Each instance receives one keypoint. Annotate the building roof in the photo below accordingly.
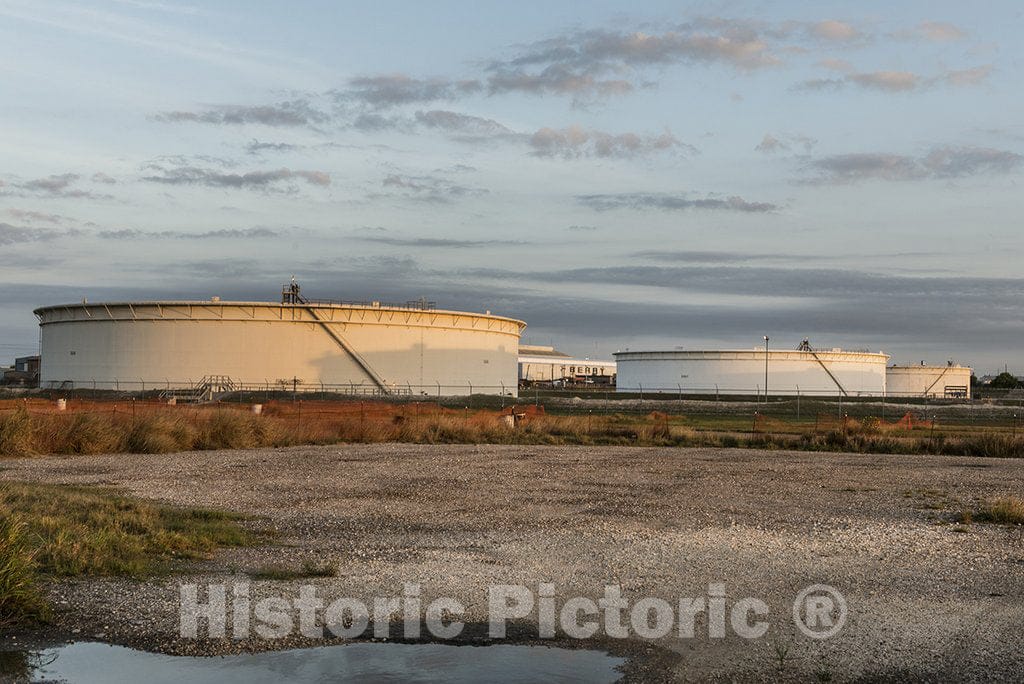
(541, 350)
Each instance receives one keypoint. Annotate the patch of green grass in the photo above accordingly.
(71, 531)
(309, 569)
(21, 599)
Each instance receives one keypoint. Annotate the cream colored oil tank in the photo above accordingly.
(949, 381)
(742, 372)
(359, 348)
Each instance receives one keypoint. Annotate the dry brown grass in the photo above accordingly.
(155, 428)
(1007, 510)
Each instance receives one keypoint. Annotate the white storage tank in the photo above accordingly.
(369, 348)
(742, 372)
(951, 381)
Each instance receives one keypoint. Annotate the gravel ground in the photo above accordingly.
(928, 599)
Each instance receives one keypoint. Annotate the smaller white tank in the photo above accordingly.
(950, 381)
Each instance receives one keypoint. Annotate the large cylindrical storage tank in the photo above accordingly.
(951, 382)
(372, 348)
(831, 373)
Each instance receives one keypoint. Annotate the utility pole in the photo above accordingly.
(766, 370)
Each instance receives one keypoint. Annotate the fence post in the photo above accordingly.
(798, 403)
(641, 386)
(439, 390)
(680, 388)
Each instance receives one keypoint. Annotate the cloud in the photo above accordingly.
(572, 142)
(36, 216)
(62, 185)
(939, 31)
(806, 283)
(428, 189)
(462, 124)
(191, 175)
(672, 202)
(373, 122)
(556, 79)
(221, 234)
(393, 90)
(835, 64)
(255, 147)
(293, 113)
(893, 81)
(819, 84)
(770, 144)
(850, 168)
(591, 62)
(435, 242)
(582, 228)
(954, 162)
(967, 77)
(940, 162)
(100, 177)
(11, 235)
(833, 30)
(52, 185)
(575, 142)
(697, 257)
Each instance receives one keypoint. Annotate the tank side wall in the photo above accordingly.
(747, 375)
(414, 355)
(915, 381)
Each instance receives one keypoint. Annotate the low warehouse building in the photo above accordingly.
(949, 382)
(366, 348)
(742, 372)
(545, 364)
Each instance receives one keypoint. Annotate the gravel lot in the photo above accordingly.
(928, 598)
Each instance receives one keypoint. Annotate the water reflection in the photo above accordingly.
(82, 663)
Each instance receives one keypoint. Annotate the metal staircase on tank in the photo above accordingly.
(209, 388)
(292, 294)
(805, 346)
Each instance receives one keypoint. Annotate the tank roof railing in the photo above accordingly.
(414, 305)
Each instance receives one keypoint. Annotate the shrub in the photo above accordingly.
(1007, 509)
(159, 435)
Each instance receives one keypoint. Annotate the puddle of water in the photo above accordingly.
(86, 662)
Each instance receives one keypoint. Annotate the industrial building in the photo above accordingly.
(951, 381)
(24, 373)
(748, 371)
(366, 348)
(544, 364)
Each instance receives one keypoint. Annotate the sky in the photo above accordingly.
(619, 175)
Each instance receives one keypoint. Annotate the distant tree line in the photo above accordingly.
(1005, 381)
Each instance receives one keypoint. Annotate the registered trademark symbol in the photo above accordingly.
(819, 611)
